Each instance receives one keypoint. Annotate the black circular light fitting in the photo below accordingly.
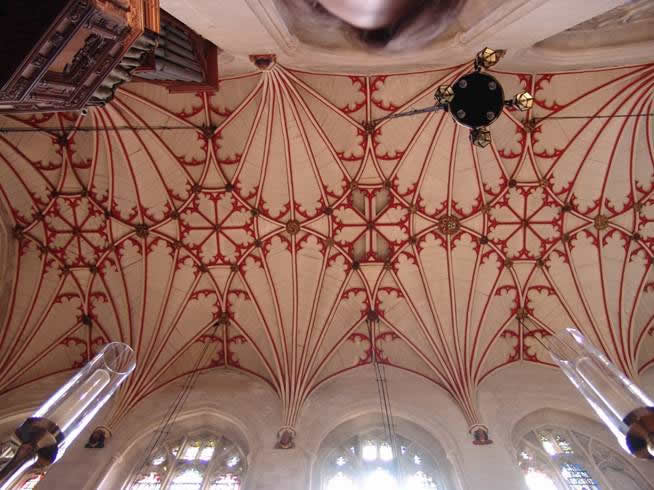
(478, 100)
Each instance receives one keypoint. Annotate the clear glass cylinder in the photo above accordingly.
(618, 402)
(43, 438)
(73, 405)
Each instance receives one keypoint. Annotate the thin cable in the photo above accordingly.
(434, 108)
(522, 323)
(176, 405)
(603, 116)
(89, 129)
(165, 424)
(393, 115)
(384, 399)
(181, 399)
(372, 334)
(380, 389)
(546, 347)
(171, 416)
(391, 424)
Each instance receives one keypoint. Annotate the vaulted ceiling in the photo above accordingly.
(268, 209)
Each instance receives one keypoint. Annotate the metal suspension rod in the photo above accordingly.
(433, 108)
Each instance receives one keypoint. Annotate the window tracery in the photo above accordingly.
(205, 462)
(369, 463)
(616, 469)
(553, 458)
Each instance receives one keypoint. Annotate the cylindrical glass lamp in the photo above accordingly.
(44, 437)
(626, 410)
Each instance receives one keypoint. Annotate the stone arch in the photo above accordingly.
(408, 430)
(199, 421)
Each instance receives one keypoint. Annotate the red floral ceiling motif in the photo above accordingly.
(76, 230)
(266, 224)
(217, 227)
(525, 222)
(371, 224)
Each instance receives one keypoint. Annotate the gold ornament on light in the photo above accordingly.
(480, 137)
(488, 57)
(444, 94)
(523, 101)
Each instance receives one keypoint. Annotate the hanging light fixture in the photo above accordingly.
(44, 437)
(475, 100)
(625, 409)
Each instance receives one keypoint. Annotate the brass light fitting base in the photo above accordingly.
(38, 442)
(640, 436)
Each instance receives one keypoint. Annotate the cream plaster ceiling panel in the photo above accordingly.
(266, 223)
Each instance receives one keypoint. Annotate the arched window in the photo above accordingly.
(368, 462)
(204, 462)
(553, 458)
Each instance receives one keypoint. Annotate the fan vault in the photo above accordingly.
(272, 208)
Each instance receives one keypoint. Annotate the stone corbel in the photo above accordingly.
(480, 435)
(286, 438)
(98, 438)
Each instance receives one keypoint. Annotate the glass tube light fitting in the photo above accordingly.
(625, 409)
(44, 437)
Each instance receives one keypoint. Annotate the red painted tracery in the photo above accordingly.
(272, 206)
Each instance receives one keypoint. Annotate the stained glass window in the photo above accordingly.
(189, 479)
(374, 463)
(191, 451)
(550, 455)
(226, 482)
(193, 463)
(537, 480)
(554, 443)
(149, 481)
(206, 452)
(577, 477)
(420, 481)
(340, 482)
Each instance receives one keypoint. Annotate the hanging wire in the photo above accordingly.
(522, 323)
(384, 398)
(91, 129)
(393, 115)
(555, 345)
(176, 406)
(373, 123)
(597, 116)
